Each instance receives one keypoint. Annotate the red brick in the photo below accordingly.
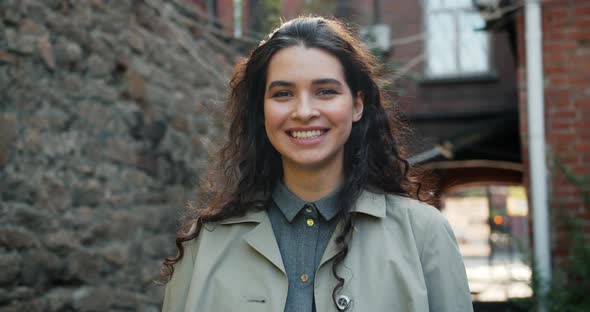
(583, 100)
(582, 23)
(563, 114)
(566, 206)
(579, 81)
(561, 137)
(578, 34)
(554, 56)
(550, 46)
(582, 147)
(582, 11)
(563, 191)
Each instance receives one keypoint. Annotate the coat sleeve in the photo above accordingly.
(177, 288)
(444, 270)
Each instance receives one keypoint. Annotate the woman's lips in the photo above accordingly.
(307, 136)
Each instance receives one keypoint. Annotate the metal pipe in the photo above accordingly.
(237, 18)
(536, 139)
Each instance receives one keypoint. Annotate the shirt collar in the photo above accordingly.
(290, 204)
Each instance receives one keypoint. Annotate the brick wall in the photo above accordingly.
(566, 61)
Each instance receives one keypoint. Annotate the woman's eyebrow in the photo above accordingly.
(283, 83)
(326, 81)
(280, 83)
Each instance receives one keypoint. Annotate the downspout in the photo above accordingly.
(237, 18)
(536, 139)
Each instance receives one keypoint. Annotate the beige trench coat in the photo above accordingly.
(403, 257)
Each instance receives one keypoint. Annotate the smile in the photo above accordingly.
(305, 135)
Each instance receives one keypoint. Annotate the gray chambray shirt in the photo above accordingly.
(302, 230)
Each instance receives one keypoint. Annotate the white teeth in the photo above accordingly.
(306, 134)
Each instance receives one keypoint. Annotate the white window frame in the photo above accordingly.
(458, 71)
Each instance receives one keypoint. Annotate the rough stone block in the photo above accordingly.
(98, 66)
(7, 136)
(14, 187)
(40, 266)
(84, 266)
(53, 195)
(28, 216)
(58, 298)
(13, 237)
(61, 240)
(157, 246)
(30, 27)
(21, 44)
(87, 299)
(10, 267)
(116, 254)
(46, 52)
(18, 293)
(89, 193)
(67, 52)
(35, 305)
(7, 58)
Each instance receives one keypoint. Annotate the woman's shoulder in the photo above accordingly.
(415, 208)
(401, 207)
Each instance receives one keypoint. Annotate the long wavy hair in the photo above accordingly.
(247, 167)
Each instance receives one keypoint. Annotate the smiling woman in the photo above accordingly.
(309, 205)
(308, 115)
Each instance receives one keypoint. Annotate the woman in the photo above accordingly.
(309, 208)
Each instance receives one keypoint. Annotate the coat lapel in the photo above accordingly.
(332, 248)
(368, 203)
(262, 239)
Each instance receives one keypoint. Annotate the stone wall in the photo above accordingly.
(107, 109)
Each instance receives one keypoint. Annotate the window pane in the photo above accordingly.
(434, 4)
(463, 4)
(441, 45)
(473, 44)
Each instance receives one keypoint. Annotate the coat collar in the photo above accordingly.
(262, 238)
(372, 204)
(368, 203)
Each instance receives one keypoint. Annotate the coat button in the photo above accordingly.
(310, 222)
(343, 302)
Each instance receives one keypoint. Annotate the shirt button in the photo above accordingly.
(304, 278)
(308, 209)
(310, 222)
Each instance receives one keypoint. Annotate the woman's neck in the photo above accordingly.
(312, 185)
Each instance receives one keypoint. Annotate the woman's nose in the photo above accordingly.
(304, 109)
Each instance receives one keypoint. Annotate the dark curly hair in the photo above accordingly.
(248, 167)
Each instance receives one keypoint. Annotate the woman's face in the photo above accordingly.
(309, 108)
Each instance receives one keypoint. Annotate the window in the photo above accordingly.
(454, 46)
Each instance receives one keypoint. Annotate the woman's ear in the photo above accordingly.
(358, 105)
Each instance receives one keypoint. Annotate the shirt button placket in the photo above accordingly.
(309, 211)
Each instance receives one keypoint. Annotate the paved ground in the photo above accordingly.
(506, 277)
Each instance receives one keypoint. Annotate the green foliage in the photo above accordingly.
(266, 16)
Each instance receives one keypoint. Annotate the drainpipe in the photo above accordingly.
(237, 18)
(536, 139)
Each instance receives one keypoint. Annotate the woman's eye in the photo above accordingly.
(324, 92)
(279, 94)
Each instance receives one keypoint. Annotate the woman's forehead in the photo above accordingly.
(299, 64)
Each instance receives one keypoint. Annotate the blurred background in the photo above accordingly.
(108, 109)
